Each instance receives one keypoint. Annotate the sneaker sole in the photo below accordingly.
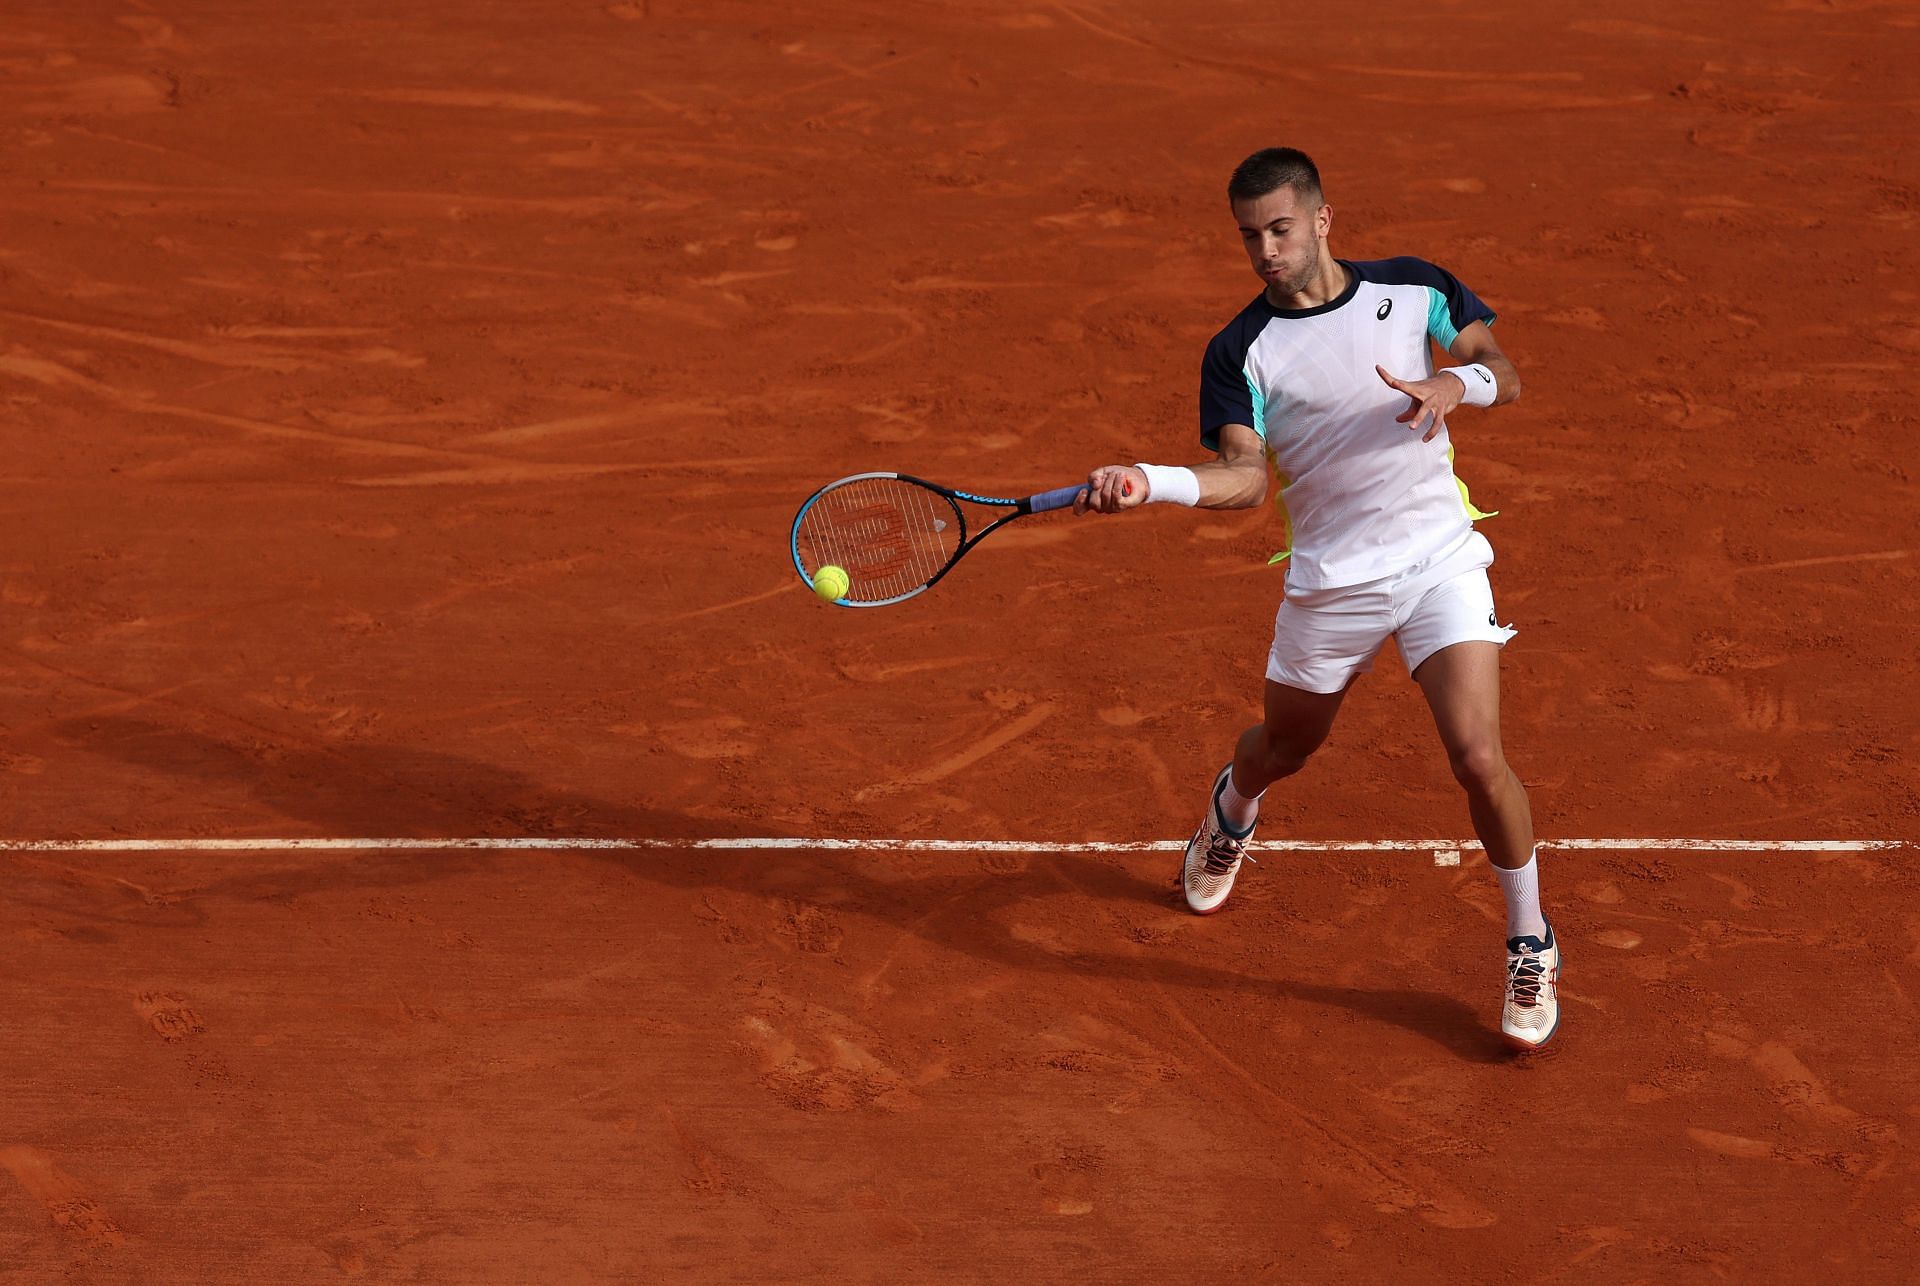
(1527, 1047)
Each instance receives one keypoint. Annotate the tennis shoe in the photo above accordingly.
(1532, 1012)
(1213, 856)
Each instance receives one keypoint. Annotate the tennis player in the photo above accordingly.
(1327, 380)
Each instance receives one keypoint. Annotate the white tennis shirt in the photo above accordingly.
(1362, 496)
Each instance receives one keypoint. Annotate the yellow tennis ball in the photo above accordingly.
(831, 583)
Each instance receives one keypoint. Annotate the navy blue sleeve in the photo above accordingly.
(1451, 307)
(1226, 395)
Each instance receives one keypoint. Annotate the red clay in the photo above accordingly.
(406, 408)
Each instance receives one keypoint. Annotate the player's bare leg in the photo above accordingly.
(1462, 686)
(1295, 725)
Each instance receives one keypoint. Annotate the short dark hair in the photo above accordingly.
(1273, 168)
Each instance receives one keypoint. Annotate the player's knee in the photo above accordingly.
(1287, 753)
(1479, 766)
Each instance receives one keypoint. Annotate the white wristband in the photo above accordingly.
(1170, 484)
(1479, 381)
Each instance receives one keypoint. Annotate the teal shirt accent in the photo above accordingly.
(1279, 499)
(1439, 324)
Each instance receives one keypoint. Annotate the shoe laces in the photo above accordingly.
(1223, 851)
(1526, 972)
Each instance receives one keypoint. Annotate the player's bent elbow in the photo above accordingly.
(1249, 485)
(1244, 496)
(1255, 493)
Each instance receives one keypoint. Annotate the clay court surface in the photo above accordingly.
(404, 410)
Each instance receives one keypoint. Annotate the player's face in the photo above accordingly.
(1282, 234)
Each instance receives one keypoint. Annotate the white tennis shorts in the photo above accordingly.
(1324, 638)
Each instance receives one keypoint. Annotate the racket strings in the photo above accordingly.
(930, 554)
(890, 536)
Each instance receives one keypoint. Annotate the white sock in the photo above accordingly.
(1522, 889)
(1238, 811)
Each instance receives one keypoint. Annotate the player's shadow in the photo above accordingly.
(363, 789)
(384, 791)
(1443, 1019)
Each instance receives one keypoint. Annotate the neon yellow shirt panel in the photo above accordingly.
(1281, 481)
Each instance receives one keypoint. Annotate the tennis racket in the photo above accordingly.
(897, 535)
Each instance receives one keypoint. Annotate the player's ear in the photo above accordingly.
(1323, 220)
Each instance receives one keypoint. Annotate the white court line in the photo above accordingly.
(553, 844)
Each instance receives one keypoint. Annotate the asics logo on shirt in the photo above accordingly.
(1386, 306)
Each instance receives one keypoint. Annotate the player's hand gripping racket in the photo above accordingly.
(896, 535)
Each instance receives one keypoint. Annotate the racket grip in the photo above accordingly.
(1058, 498)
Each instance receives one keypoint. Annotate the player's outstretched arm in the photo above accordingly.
(1236, 479)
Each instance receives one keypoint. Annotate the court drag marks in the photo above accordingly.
(407, 409)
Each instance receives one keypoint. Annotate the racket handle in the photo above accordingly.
(1058, 498)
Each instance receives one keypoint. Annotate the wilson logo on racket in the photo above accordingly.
(877, 542)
